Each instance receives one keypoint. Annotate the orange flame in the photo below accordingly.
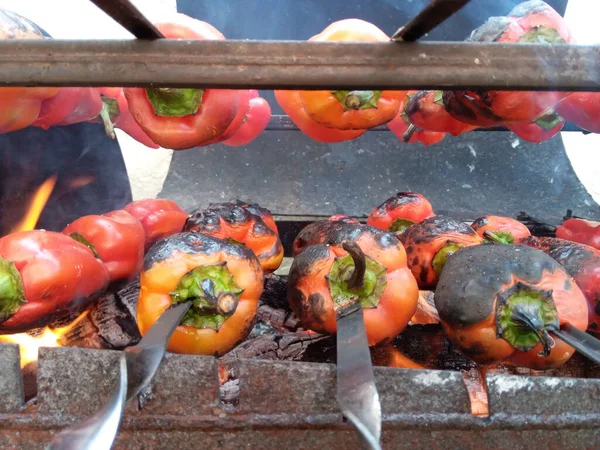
(40, 198)
(30, 344)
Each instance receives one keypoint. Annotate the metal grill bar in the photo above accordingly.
(299, 65)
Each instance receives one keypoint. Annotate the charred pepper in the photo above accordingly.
(45, 275)
(159, 217)
(117, 238)
(401, 211)
(426, 111)
(365, 265)
(498, 303)
(235, 222)
(582, 263)
(223, 281)
(431, 243)
(499, 229)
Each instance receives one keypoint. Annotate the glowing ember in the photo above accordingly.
(81, 181)
(30, 342)
(41, 196)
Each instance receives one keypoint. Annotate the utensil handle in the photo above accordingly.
(584, 343)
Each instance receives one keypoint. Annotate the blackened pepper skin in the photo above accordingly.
(498, 303)
(430, 243)
(582, 262)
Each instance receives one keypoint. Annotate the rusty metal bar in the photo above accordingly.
(300, 65)
(284, 123)
(129, 17)
(430, 17)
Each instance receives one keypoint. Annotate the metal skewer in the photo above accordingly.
(127, 15)
(430, 17)
(585, 344)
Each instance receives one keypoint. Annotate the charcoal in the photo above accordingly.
(275, 292)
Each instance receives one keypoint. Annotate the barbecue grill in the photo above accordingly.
(278, 388)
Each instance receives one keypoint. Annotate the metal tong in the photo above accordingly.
(137, 366)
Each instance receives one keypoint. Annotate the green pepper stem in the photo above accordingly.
(520, 315)
(12, 292)
(171, 102)
(109, 128)
(357, 278)
(499, 237)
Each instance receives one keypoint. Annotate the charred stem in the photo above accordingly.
(409, 133)
(535, 325)
(357, 278)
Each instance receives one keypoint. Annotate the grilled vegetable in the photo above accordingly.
(582, 109)
(530, 22)
(115, 114)
(430, 244)
(235, 222)
(582, 263)
(499, 229)
(223, 281)
(544, 128)
(426, 111)
(20, 105)
(45, 275)
(117, 238)
(185, 118)
(291, 103)
(159, 217)
(580, 230)
(401, 211)
(498, 303)
(351, 109)
(69, 106)
(254, 122)
(365, 265)
(407, 132)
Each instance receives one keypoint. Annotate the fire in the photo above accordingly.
(40, 198)
(30, 343)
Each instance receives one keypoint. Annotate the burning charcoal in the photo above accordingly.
(110, 322)
(275, 292)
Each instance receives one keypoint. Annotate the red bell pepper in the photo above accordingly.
(542, 129)
(184, 118)
(255, 121)
(530, 22)
(45, 275)
(406, 131)
(117, 238)
(20, 105)
(115, 114)
(71, 105)
(582, 109)
(426, 111)
(400, 212)
(580, 230)
(159, 217)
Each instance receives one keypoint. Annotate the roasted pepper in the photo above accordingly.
(582, 262)
(235, 222)
(255, 121)
(45, 275)
(184, 118)
(115, 114)
(291, 103)
(499, 229)
(582, 109)
(20, 105)
(365, 265)
(223, 280)
(406, 131)
(498, 303)
(426, 111)
(530, 22)
(401, 211)
(71, 105)
(430, 244)
(117, 238)
(329, 231)
(542, 129)
(159, 217)
(580, 230)
(263, 213)
(351, 109)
